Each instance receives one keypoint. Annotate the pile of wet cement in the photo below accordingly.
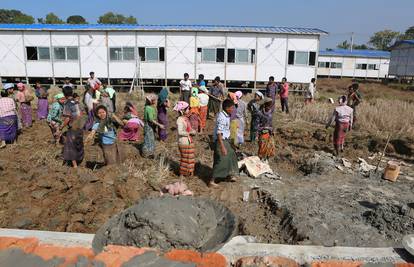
(169, 222)
(391, 220)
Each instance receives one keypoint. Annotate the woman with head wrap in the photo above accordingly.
(254, 108)
(194, 109)
(234, 123)
(265, 130)
(162, 105)
(185, 141)
(343, 117)
(204, 99)
(150, 125)
(24, 98)
(8, 118)
(42, 103)
(54, 118)
(132, 124)
(105, 127)
(241, 115)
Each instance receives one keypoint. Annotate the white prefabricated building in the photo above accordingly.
(368, 64)
(158, 52)
(402, 59)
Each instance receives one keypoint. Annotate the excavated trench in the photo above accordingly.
(196, 223)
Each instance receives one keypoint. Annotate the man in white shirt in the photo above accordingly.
(185, 88)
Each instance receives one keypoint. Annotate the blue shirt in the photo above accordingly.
(202, 83)
(222, 125)
(108, 137)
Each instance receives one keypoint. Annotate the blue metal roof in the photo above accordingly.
(178, 28)
(410, 42)
(355, 53)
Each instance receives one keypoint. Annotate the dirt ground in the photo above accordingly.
(38, 192)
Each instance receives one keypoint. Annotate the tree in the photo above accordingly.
(15, 16)
(360, 47)
(112, 18)
(384, 39)
(344, 45)
(51, 18)
(76, 19)
(409, 34)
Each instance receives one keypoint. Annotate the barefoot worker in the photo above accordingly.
(54, 118)
(8, 117)
(225, 159)
(342, 116)
(185, 141)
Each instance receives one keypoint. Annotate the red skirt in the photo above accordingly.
(340, 132)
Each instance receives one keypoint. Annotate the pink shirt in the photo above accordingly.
(285, 90)
(21, 96)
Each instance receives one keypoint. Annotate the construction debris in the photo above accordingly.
(254, 166)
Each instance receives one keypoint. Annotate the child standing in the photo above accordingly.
(195, 109)
(284, 95)
(204, 98)
(73, 152)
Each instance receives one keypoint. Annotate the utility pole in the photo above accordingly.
(352, 41)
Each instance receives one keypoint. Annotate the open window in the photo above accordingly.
(37, 53)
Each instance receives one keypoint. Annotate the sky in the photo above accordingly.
(339, 18)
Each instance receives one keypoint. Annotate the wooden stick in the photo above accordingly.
(383, 153)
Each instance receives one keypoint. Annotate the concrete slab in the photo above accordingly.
(48, 237)
(239, 247)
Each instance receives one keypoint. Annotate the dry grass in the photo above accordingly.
(375, 117)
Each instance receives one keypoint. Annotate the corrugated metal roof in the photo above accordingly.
(138, 27)
(410, 42)
(355, 53)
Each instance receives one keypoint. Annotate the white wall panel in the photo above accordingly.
(12, 55)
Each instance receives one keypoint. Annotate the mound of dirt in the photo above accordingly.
(390, 220)
(169, 222)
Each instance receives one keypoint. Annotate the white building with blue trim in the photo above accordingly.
(367, 64)
(158, 53)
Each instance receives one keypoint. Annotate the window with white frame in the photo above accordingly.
(211, 55)
(336, 65)
(151, 54)
(324, 65)
(373, 67)
(37, 53)
(121, 53)
(241, 55)
(65, 53)
(301, 58)
(361, 66)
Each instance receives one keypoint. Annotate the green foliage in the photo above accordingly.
(112, 18)
(409, 34)
(383, 40)
(15, 16)
(344, 45)
(51, 18)
(76, 19)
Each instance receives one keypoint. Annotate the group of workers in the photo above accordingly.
(96, 115)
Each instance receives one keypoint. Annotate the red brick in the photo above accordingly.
(337, 264)
(25, 244)
(404, 264)
(70, 254)
(115, 256)
(266, 262)
(200, 259)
